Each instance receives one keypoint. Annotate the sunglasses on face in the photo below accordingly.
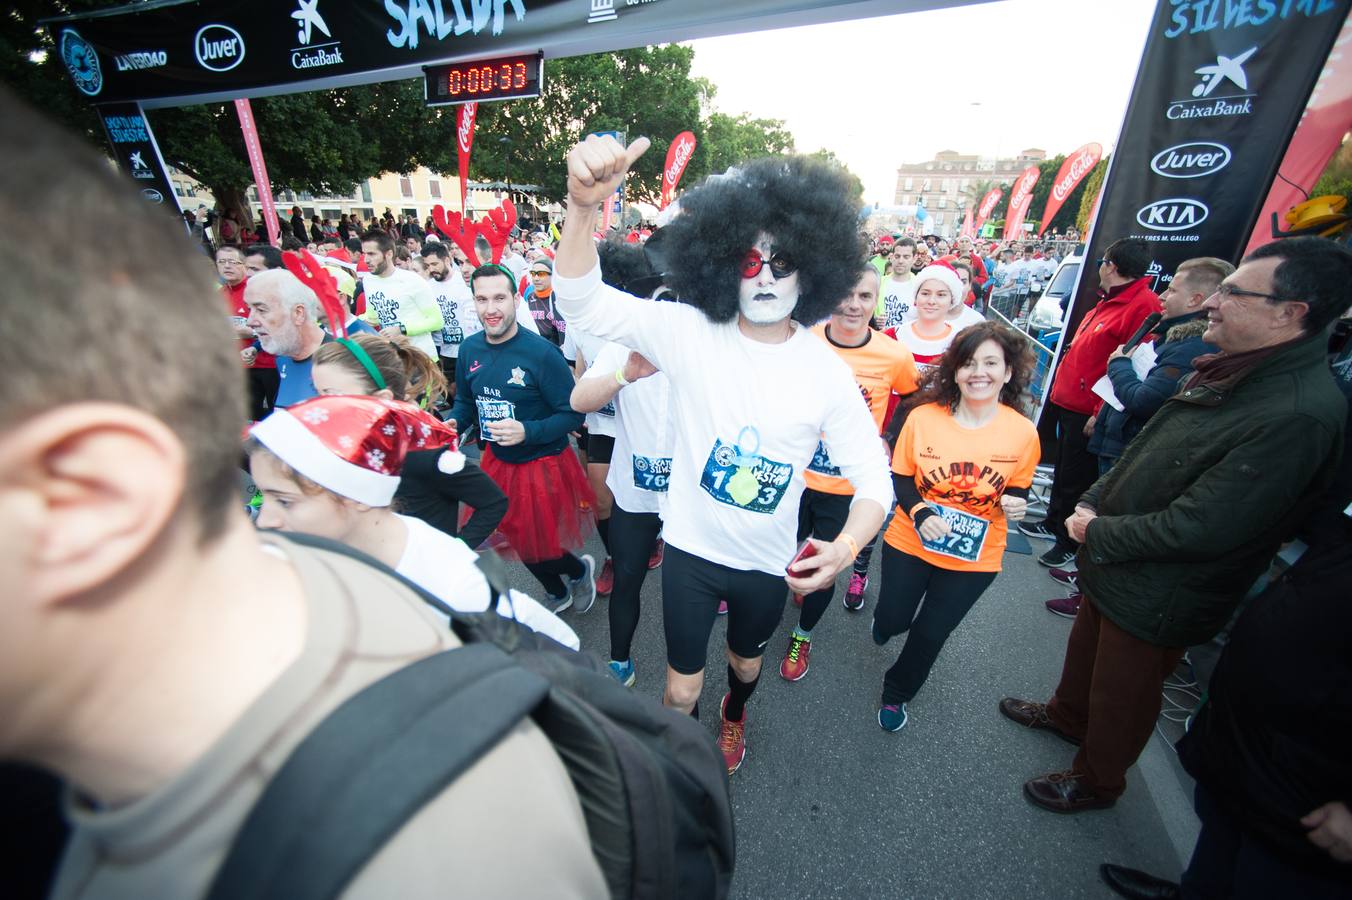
(781, 266)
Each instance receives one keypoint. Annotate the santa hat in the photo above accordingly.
(946, 275)
(355, 446)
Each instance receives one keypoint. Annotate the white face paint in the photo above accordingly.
(764, 299)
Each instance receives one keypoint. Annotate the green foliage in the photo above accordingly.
(1067, 215)
(1089, 189)
(856, 184)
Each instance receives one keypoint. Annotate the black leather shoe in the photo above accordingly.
(1137, 884)
(1063, 792)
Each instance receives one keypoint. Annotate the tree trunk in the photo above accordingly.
(237, 199)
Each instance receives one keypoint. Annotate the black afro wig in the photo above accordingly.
(808, 208)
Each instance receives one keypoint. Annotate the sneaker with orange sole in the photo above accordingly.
(731, 738)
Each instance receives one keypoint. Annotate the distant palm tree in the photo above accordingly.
(976, 189)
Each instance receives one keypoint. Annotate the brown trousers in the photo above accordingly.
(1109, 697)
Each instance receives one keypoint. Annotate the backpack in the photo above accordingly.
(652, 786)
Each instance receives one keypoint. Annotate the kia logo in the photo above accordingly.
(152, 195)
(1192, 160)
(1174, 214)
(218, 47)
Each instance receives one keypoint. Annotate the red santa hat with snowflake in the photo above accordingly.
(355, 446)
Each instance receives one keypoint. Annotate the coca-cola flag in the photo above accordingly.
(1020, 196)
(986, 207)
(967, 229)
(678, 155)
(464, 141)
(1072, 172)
(260, 169)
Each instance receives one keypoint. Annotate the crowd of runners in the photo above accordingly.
(750, 401)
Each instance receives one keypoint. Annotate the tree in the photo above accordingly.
(977, 189)
(1091, 185)
(856, 184)
(1067, 215)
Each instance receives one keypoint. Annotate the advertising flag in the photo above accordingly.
(987, 206)
(967, 229)
(678, 155)
(1020, 196)
(1072, 172)
(464, 142)
(260, 169)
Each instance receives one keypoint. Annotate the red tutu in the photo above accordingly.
(551, 509)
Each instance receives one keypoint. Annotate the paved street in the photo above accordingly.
(829, 805)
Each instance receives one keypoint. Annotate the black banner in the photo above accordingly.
(195, 52)
(1218, 96)
(137, 154)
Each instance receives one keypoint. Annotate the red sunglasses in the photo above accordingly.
(781, 266)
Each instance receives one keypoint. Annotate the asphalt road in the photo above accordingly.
(827, 804)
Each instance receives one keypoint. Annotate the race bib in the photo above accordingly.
(491, 410)
(739, 476)
(821, 462)
(651, 473)
(966, 535)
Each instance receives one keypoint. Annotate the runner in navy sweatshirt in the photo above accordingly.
(516, 385)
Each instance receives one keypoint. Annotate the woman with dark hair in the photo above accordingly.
(961, 470)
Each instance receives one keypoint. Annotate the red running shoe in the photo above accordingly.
(794, 665)
(797, 599)
(722, 607)
(605, 580)
(1068, 577)
(731, 738)
(1066, 607)
(655, 558)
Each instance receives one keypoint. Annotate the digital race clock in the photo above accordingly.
(504, 78)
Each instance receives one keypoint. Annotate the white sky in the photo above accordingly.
(989, 78)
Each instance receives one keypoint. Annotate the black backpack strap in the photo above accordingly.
(369, 766)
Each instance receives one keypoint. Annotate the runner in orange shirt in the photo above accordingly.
(962, 468)
(880, 366)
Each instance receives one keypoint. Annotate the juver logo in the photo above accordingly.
(1191, 160)
(218, 47)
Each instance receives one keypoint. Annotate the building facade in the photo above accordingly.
(944, 184)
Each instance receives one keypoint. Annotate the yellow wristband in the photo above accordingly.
(851, 543)
(620, 379)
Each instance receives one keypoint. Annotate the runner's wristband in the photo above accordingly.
(851, 543)
(619, 377)
(920, 515)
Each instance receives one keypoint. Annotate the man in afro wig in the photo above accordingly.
(756, 255)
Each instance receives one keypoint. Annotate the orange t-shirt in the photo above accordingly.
(962, 472)
(880, 365)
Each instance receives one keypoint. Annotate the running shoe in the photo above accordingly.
(797, 599)
(605, 582)
(1058, 557)
(854, 597)
(892, 716)
(623, 672)
(794, 666)
(1068, 577)
(1066, 607)
(558, 604)
(722, 607)
(1037, 530)
(731, 738)
(582, 590)
(655, 558)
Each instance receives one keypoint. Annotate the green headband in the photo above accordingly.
(361, 356)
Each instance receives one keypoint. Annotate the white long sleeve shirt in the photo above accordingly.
(748, 417)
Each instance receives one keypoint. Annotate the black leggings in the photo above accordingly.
(822, 516)
(948, 595)
(691, 589)
(550, 573)
(632, 538)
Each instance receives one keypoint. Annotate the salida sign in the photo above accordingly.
(1217, 99)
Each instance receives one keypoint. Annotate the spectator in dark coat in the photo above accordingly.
(1178, 342)
(298, 230)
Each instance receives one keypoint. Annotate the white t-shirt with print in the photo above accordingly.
(445, 567)
(897, 299)
(640, 467)
(454, 298)
(574, 342)
(400, 296)
(748, 417)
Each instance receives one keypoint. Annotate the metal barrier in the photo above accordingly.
(1006, 305)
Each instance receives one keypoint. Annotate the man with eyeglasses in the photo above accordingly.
(1179, 530)
(1124, 300)
(262, 367)
(757, 255)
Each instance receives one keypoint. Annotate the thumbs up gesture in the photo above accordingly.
(597, 166)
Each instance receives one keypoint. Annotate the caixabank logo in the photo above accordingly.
(82, 61)
(313, 52)
(1208, 101)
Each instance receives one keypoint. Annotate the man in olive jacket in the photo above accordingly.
(1178, 531)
